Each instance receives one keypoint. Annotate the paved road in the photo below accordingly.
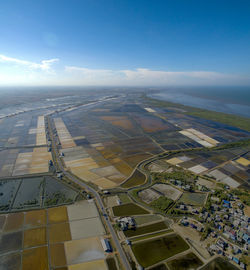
(98, 200)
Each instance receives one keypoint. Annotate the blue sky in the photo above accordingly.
(124, 42)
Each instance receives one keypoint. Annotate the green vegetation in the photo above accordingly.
(188, 261)
(128, 209)
(162, 204)
(156, 250)
(124, 198)
(146, 219)
(146, 229)
(57, 198)
(159, 267)
(177, 174)
(193, 198)
(206, 231)
(136, 179)
(111, 264)
(151, 235)
(224, 118)
(219, 264)
(243, 195)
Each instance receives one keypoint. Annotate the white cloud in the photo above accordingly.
(144, 77)
(23, 72)
(44, 65)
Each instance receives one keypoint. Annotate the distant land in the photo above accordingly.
(232, 100)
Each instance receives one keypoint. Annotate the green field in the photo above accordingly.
(124, 198)
(146, 219)
(146, 229)
(187, 262)
(224, 118)
(162, 204)
(111, 264)
(136, 179)
(219, 264)
(193, 198)
(156, 250)
(128, 209)
(151, 235)
(159, 267)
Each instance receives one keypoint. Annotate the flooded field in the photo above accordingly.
(34, 192)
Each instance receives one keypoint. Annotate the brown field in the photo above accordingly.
(2, 221)
(35, 218)
(119, 121)
(135, 159)
(136, 179)
(94, 265)
(14, 222)
(247, 210)
(34, 237)
(57, 255)
(83, 250)
(124, 168)
(107, 154)
(58, 214)
(104, 183)
(59, 232)
(35, 259)
(151, 124)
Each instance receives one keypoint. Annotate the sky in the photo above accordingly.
(124, 42)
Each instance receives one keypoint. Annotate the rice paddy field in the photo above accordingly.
(219, 264)
(192, 198)
(159, 226)
(153, 251)
(140, 220)
(23, 145)
(168, 191)
(104, 144)
(187, 262)
(230, 166)
(159, 267)
(53, 238)
(34, 192)
(129, 209)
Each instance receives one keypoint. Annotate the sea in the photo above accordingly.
(232, 100)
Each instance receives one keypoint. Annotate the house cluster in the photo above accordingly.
(227, 219)
(192, 223)
(221, 247)
(126, 223)
(181, 185)
(188, 208)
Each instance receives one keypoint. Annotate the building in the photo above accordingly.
(106, 245)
